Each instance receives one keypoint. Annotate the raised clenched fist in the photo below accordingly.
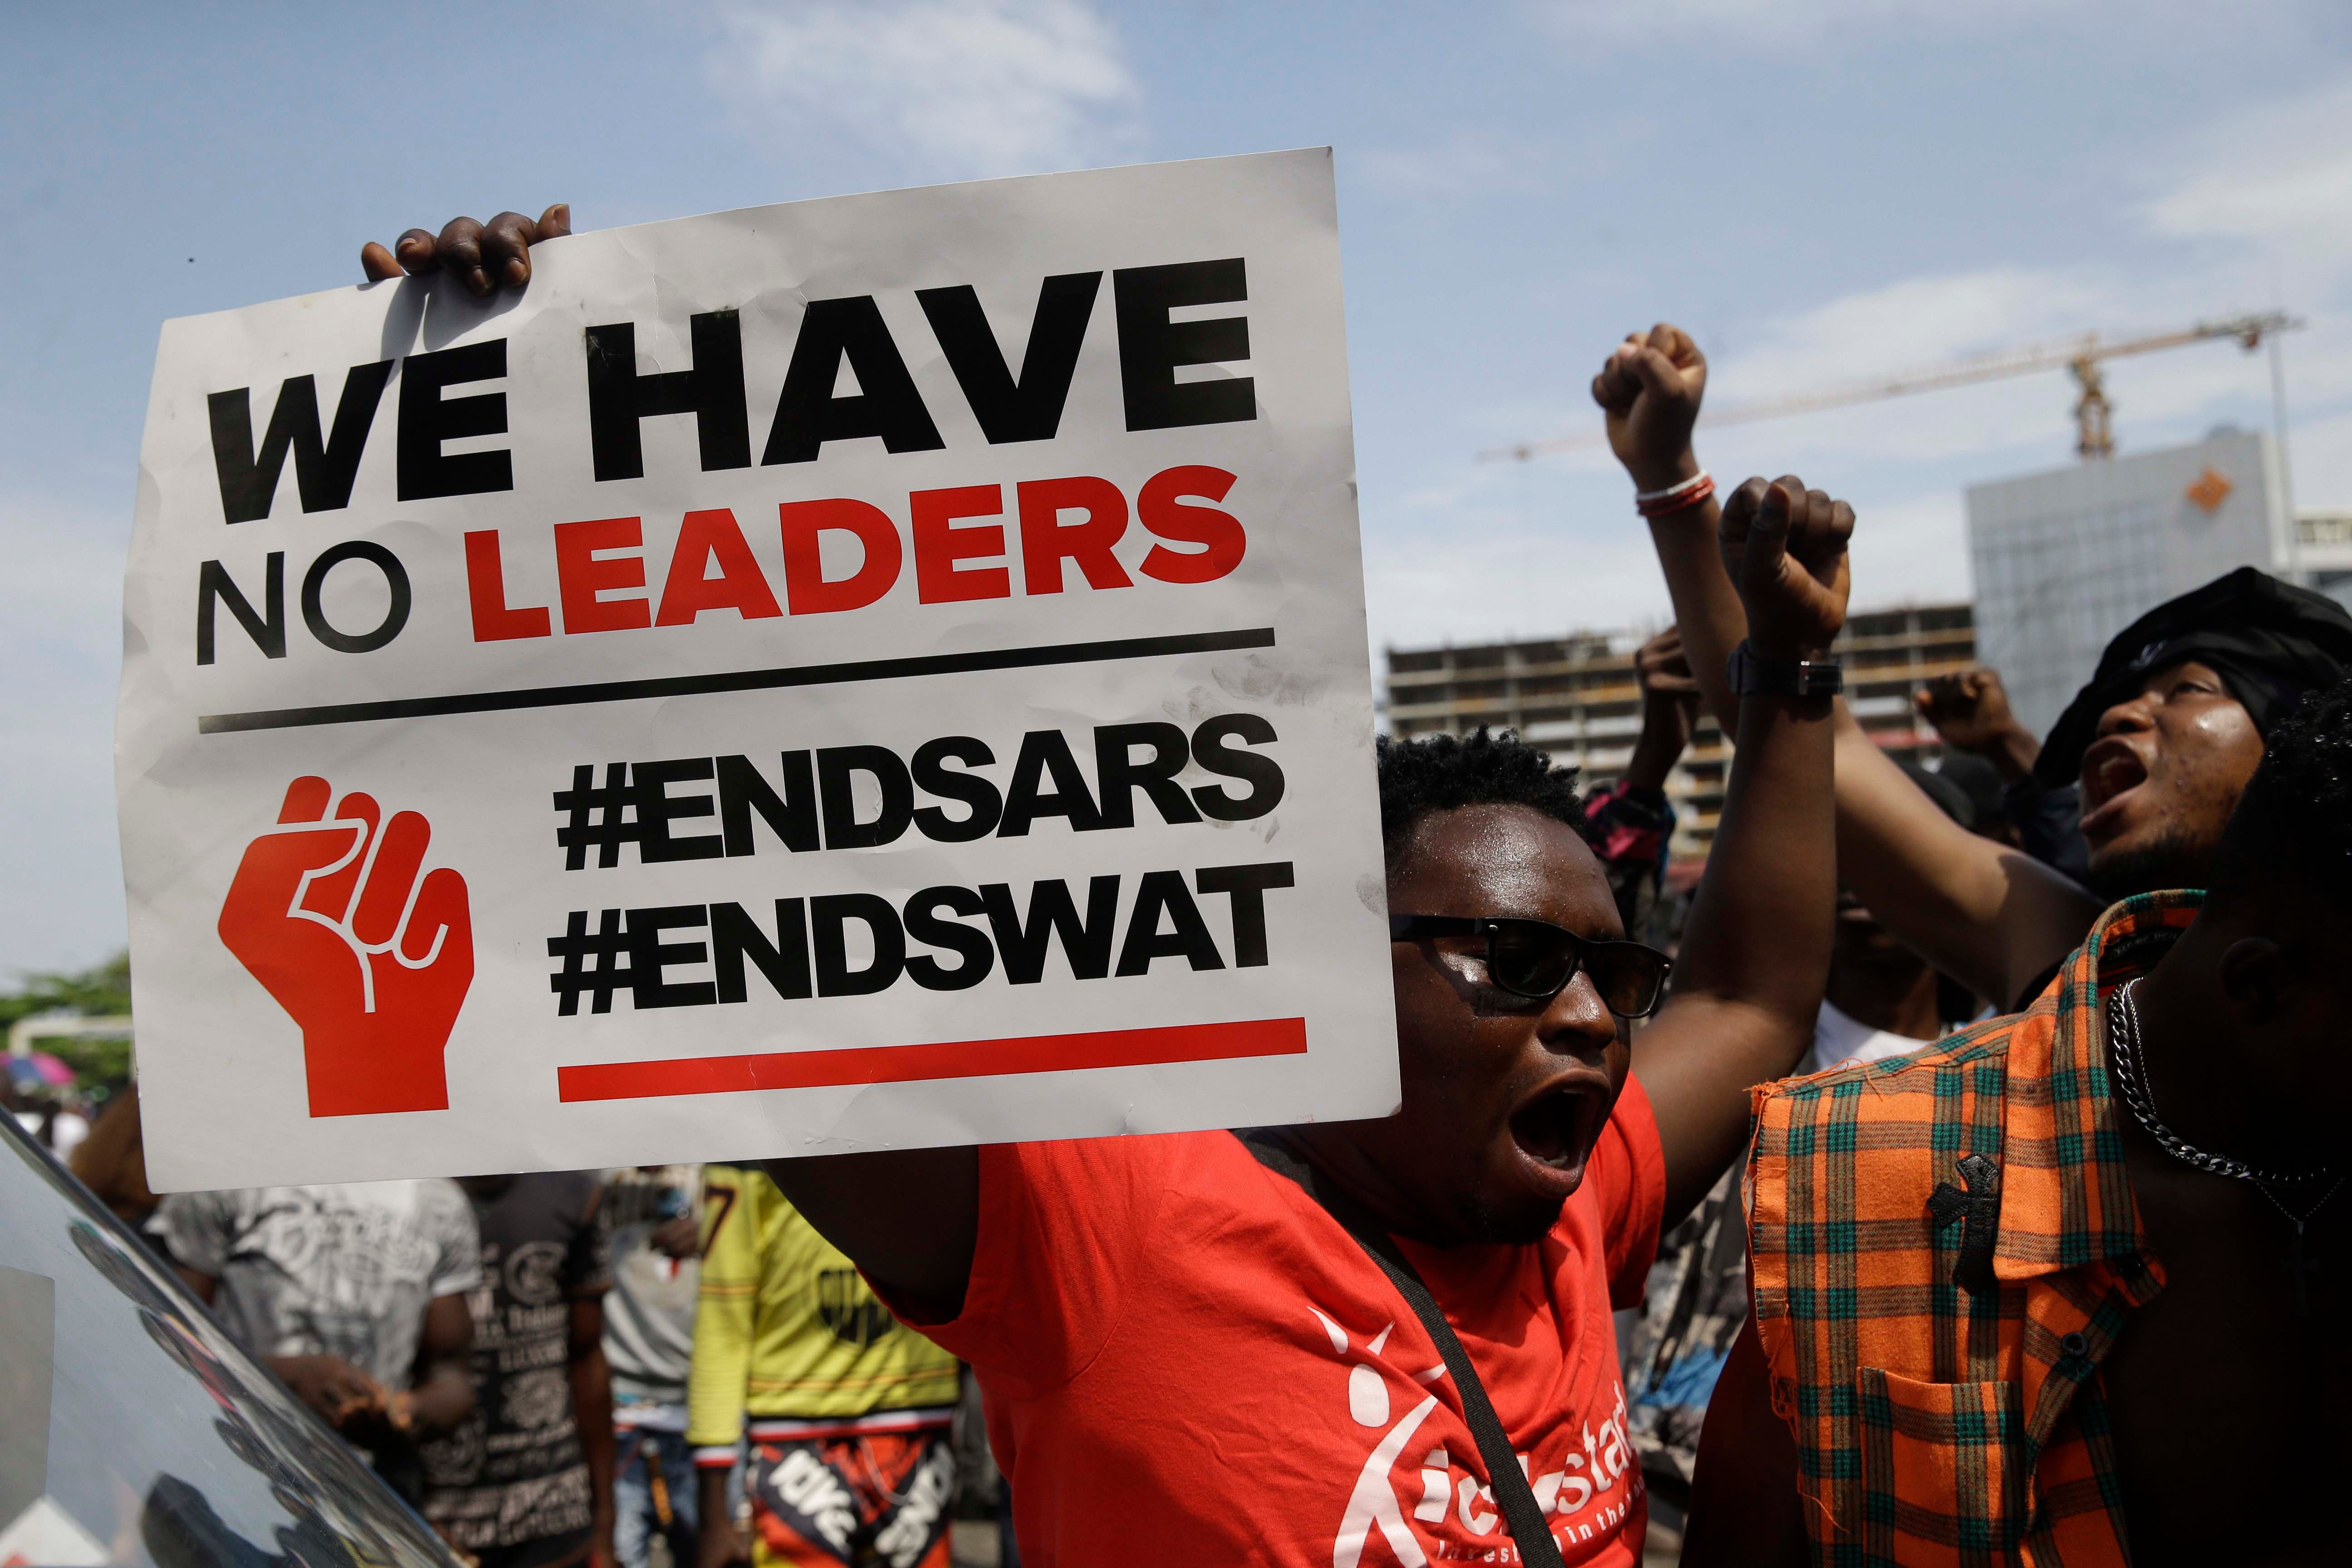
(330, 915)
(1665, 672)
(1649, 389)
(1969, 711)
(1784, 547)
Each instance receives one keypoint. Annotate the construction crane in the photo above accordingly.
(2081, 354)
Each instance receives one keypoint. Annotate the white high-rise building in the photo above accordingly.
(2067, 559)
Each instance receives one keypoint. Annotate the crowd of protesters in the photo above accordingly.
(563, 1368)
(1948, 1180)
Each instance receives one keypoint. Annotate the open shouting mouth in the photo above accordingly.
(2111, 768)
(1555, 1127)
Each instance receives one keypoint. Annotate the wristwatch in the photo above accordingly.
(1751, 672)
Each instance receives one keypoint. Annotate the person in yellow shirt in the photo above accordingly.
(848, 1409)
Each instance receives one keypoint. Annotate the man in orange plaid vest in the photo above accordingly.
(2025, 1299)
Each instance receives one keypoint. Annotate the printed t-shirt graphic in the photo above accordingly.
(1186, 1359)
(345, 1270)
(328, 912)
(509, 1485)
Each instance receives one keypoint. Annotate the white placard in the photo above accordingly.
(876, 672)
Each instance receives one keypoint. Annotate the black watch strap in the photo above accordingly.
(1752, 673)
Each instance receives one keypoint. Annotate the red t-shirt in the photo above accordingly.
(1187, 1360)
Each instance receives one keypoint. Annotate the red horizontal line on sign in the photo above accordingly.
(920, 1064)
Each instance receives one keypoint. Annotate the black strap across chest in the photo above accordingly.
(1505, 1479)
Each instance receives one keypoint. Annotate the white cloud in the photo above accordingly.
(1489, 579)
(1508, 551)
(1910, 551)
(1781, 23)
(2279, 174)
(952, 88)
(2272, 181)
(1920, 323)
(1915, 322)
(1903, 462)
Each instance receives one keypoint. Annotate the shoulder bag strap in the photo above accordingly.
(1506, 1480)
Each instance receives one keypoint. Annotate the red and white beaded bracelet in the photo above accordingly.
(1691, 492)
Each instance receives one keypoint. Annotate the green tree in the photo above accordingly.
(101, 992)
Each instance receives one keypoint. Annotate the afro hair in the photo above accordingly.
(1441, 773)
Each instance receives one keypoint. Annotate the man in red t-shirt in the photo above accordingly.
(1187, 1359)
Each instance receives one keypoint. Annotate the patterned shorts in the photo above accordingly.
(884, 1498)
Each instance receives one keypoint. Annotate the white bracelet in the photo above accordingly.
(1670, 491)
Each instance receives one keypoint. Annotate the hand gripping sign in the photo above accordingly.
(877, 672)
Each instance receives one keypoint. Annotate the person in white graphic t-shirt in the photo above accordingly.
(354, 1294)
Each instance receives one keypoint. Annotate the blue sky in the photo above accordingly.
(1820, 189)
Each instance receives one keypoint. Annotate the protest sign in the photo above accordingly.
(874, 672)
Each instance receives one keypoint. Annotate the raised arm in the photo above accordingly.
(1670, 702)
(1756, 951)
(1992, 918)
(909, 1218)
(1649, 391)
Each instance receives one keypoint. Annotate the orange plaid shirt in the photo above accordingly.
(1944, 1247)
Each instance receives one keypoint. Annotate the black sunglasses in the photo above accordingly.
(1536, 959)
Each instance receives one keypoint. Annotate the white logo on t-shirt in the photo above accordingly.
(1582, 1481)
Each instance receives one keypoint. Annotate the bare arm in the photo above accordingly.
(909, 1218)
(1988, 916)
(1650, 390)
(443, 1393)
(721, 1544)
(1991, 917)
(1756, 952)
(592, 1411)
(1670, 699)
(1745, 1512)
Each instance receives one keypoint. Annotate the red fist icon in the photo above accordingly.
(330, 915)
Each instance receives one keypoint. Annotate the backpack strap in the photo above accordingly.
(1505, 1479)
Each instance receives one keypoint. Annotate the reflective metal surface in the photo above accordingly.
(131, 1431)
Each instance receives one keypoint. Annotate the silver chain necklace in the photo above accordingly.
(2123, 1050)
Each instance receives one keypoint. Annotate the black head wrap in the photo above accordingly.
(2270, 641)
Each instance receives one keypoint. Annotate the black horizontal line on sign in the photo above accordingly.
(737, 680)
